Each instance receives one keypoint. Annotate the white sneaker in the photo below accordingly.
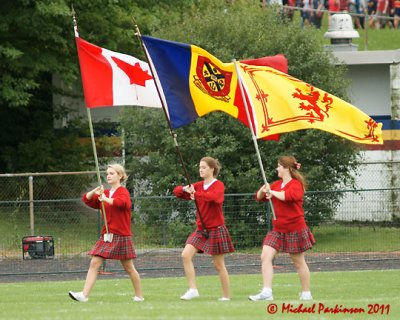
(261, 296)
(306, 296)
(137, 299)
(224, 299)
(190, 294)
(78, 296)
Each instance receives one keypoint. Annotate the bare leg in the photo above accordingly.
(267, 256)
(95, 264)
(134, 276)
(187, 258)
(372, 23)
(302, 269)
(219, 264)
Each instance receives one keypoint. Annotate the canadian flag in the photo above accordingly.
(115, 79)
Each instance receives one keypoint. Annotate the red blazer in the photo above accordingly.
(208, 201)
(118, 215)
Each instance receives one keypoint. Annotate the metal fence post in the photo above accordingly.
(268, 214)
(366, 26)
(31, 212)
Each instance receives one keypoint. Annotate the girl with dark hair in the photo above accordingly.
(211, 235)
(290, 232)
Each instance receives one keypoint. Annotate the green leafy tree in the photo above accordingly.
(36, 43)
(33, 46)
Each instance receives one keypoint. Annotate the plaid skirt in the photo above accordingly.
(218, 241)
(290, 242)
(121, 248)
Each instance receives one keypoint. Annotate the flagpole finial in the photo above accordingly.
(74, 21)
(73, 13)
(137, 31)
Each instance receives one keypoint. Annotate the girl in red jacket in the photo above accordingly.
(117, 244)
(215, 239)
(289, 233)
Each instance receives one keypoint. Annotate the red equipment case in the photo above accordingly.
(37, 247)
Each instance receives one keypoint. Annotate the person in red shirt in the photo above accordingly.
(333, 7)
(117, 243)
(382, 12)
(211, 235)
(290, 232)
(396, 13)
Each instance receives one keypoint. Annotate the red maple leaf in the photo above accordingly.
(135, 73)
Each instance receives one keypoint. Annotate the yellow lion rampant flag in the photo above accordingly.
(281, 103)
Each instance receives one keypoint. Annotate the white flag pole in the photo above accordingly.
(97, 164)
(252, 131)
(91, 132)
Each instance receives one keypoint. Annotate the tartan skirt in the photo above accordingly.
(121, 248)
(290, 242)
(218, 242)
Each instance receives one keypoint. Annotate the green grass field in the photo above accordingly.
(353, 238)
(372, 291)
(383, 39)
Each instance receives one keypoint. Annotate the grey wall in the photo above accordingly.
(370, 88)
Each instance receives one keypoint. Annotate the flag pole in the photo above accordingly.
(96, 163)
(173, 134)
(252, 131)
(91, 131)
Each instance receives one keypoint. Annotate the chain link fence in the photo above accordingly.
(364, 225)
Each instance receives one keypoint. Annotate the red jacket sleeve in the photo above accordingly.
(179, 193)
(294, 192)
(264, 199)
(272, 186)
(93, 203)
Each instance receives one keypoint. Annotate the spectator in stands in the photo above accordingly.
(211, 235)
(357, 7)
(306, 13)
(287, 11)
(318, 13)
(117, 243)
(390, 22)
(290, 232)
(371, 9)
(344, 5)
(396, 13)
(333, 6)
(382, 12)
(278, 5)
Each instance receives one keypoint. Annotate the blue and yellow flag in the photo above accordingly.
(194, 83)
